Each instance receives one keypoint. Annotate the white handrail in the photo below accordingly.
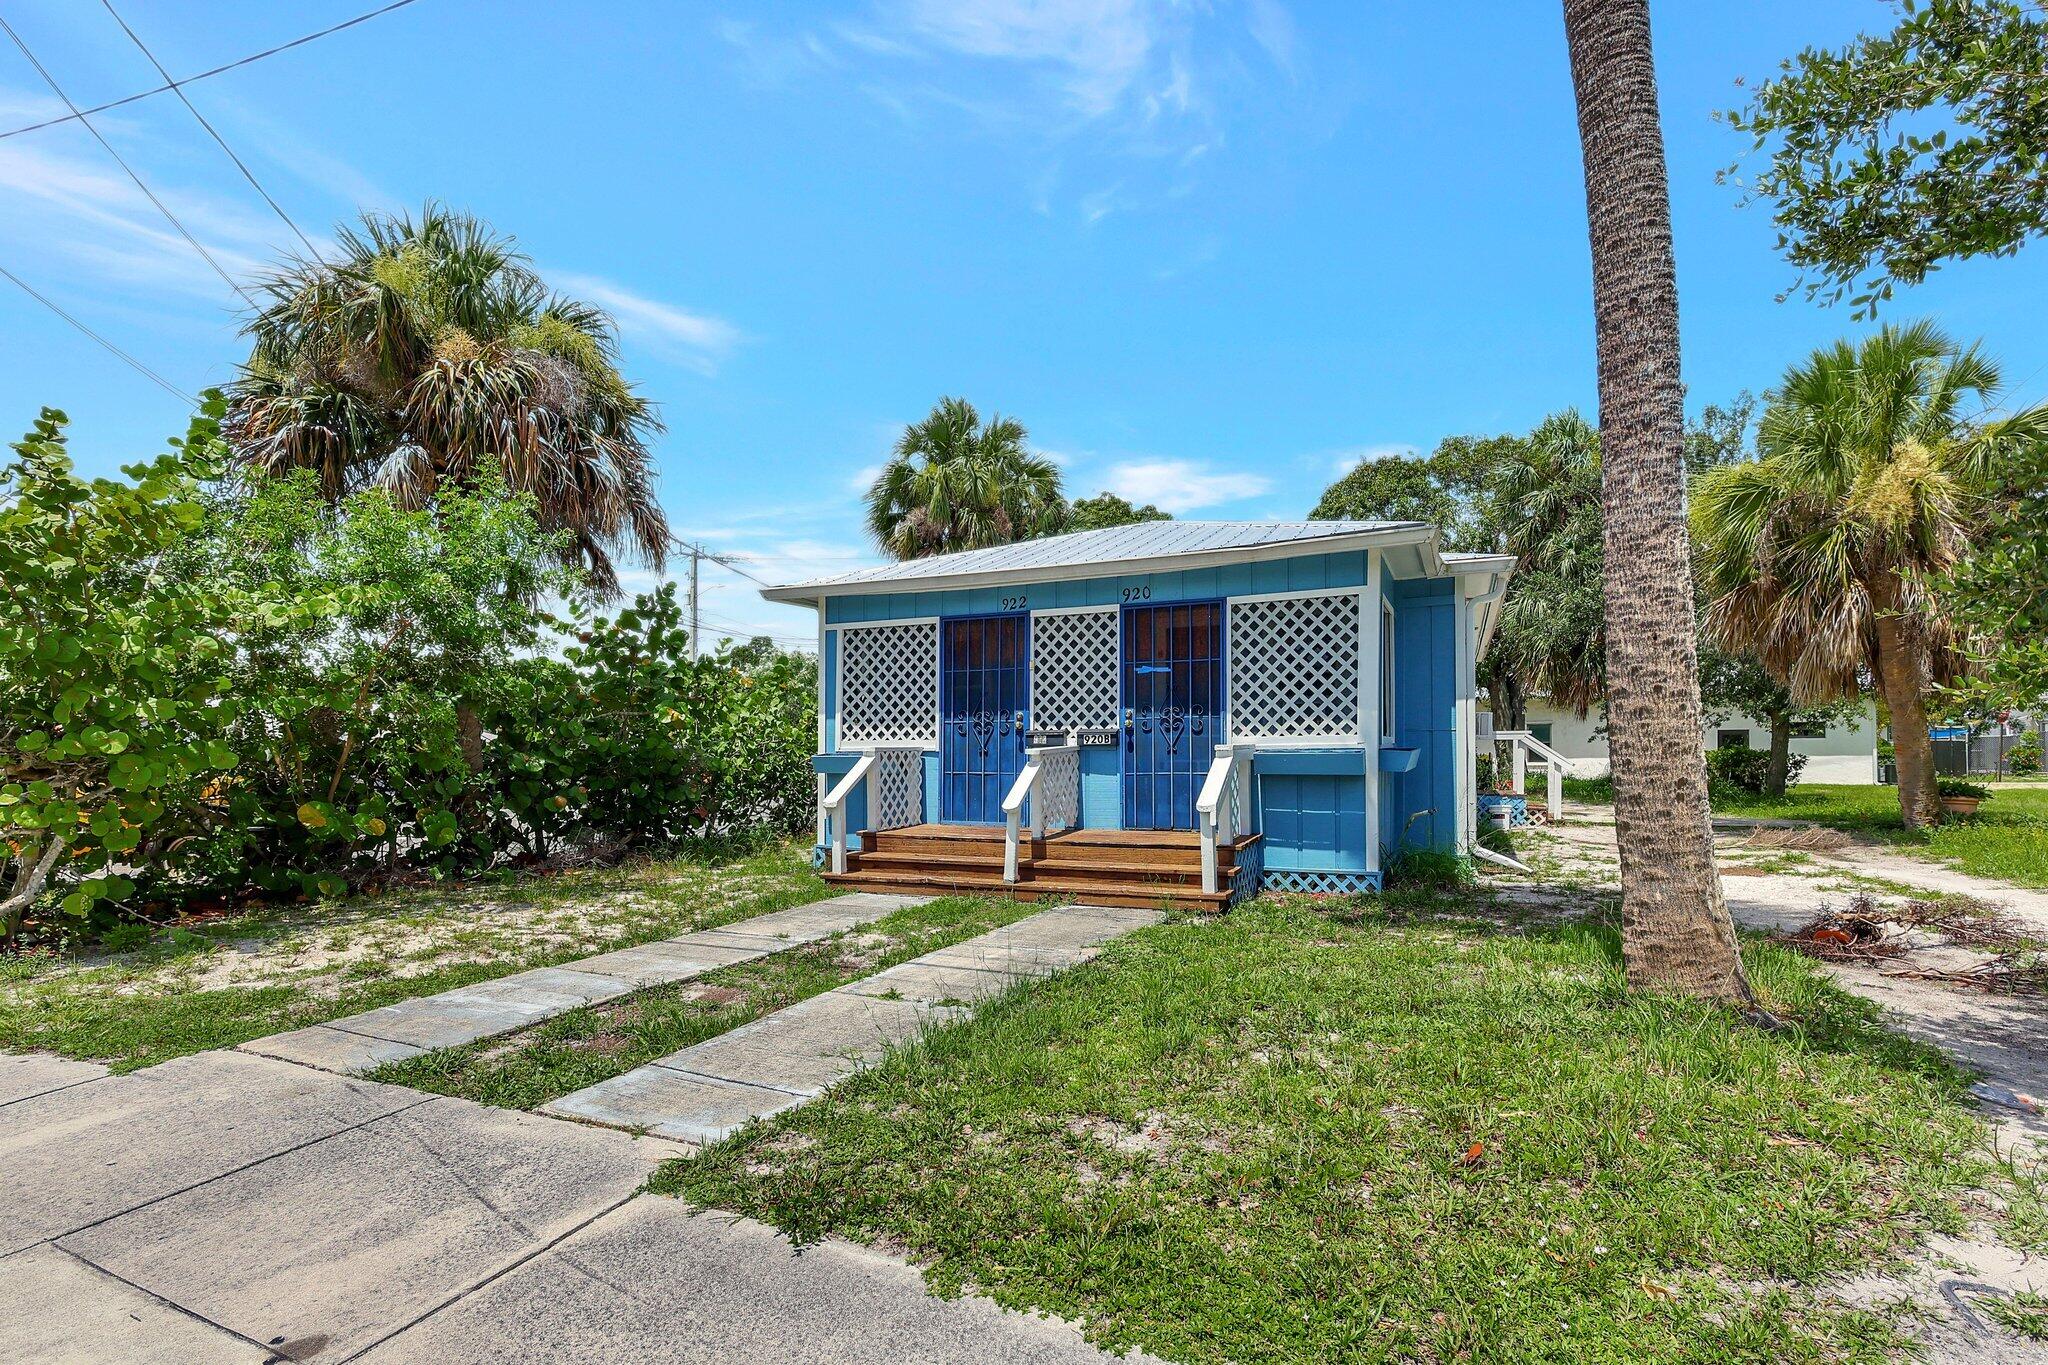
(1220, 808)
(1554, 765)
(835, 807)
(1038, 762)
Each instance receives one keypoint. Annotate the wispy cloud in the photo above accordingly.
(698, 340)
(1128, 83)
(1179, 486)
(1094, 50)
(90, 215)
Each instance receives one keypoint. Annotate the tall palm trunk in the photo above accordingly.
(1676, 933)
(1906, 677)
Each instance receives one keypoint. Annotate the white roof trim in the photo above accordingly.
(1429, 563)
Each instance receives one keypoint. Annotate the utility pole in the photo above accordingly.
(696, 555)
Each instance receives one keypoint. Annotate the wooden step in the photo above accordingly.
(1071, 888)
(1027, 868)
(1144, 848)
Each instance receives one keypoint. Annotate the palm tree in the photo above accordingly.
(1816, 557)
(1552, 634)
(429, 350)
(1676, 933)
(957, 483)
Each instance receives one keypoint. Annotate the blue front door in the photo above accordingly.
(1173, 709)
(984, 710)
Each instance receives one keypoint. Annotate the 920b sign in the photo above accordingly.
(1097, 739)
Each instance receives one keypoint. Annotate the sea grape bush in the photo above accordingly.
(221, 689)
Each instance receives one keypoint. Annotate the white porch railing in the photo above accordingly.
(1554, 765)
(1222, 810)
(1051, 779)
(894, 779)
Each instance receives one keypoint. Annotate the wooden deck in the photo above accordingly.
(1123, 867)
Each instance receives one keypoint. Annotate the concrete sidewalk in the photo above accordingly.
(363, 1042)
(226, 1207)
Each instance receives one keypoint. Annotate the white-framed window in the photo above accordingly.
(1386, 669)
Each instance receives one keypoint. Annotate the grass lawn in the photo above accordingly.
(527, 1069)
(232, 978)
(1317, 1131)
(2007, 838)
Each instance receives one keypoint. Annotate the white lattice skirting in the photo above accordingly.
(1073, 670)
(889, 684)
(1294, 668)
(898, 788)
(1322, 883)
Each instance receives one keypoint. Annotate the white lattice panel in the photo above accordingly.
(1073, 670)
(899, 788)
(1294, 668)
(1059, 788)
(889, 683)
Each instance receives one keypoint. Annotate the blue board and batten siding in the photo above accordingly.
(1312, 799)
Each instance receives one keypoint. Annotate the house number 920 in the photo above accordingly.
(1139, 593)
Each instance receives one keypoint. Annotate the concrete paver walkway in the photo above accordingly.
(708, 1090)
(363, 1042)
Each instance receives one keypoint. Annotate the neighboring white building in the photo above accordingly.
(1845, 751)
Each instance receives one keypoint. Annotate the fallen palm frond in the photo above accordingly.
(1867, 932)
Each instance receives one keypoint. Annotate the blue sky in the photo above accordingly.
(1207, 252)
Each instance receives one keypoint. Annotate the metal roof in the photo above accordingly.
(1155, 544)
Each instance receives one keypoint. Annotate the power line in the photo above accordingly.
(725, 560)
(247, 174)
(147, 372)
(189, 80)
(51, 81)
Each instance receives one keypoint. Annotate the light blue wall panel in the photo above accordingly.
(829, 666)
(1102, 799)
(1419, 807)
(1314, 823)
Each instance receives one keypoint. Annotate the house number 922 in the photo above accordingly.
(1014, 603)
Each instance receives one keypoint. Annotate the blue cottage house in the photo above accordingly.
(1173, 711)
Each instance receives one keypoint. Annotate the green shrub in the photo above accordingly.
(236, 688)
(2024, 758)
(116, 677)
(1737, 767)
(1956, 786)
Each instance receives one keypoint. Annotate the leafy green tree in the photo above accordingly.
(1997, 593)
(668, 747)
(365, 725)
(958, 483)
(1107, 509)
(116, 677)
(1904, 149)
(1819, 557)
(428, 353)
(1552, 636)
(1391, 488)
